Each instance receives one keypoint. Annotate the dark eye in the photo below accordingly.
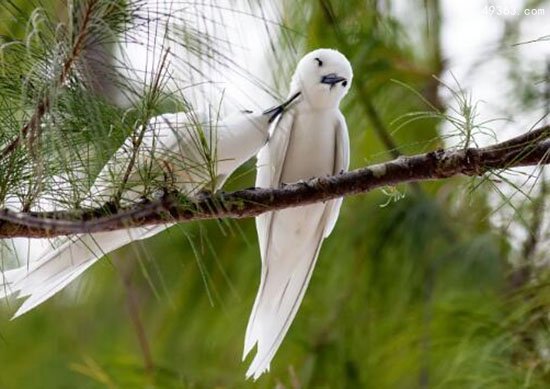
(344, 84)
(319, 62)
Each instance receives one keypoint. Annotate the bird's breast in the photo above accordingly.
(311, 146)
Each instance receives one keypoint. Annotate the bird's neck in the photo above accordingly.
(314, 102)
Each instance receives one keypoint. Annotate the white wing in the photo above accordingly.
(269, 169)
(168, 138)
(240, 137)
(268, 176)
(57, 267)
(290, 240)
(341, 164)
(198, 152)
(237, 139)
(43, 278)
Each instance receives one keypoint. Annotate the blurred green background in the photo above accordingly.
(415, 288)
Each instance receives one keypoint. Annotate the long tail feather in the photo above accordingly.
(291, 251)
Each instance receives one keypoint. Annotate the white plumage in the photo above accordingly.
(207, 152)
(309, 140)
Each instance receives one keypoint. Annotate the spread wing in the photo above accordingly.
(169, 139)
(185, 137)
(57, 267)
(43, 278)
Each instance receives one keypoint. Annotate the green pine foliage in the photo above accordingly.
(415, 288)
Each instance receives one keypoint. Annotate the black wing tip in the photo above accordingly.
(279, 109)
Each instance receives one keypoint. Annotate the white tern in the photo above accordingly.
(309, 140)
(206, 163)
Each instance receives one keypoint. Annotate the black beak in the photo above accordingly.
(279, 109)
(332, 79)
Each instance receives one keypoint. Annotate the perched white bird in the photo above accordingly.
(309, 140)
(206, 158)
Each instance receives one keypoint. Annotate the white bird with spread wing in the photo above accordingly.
(309, 140)
(207, 153)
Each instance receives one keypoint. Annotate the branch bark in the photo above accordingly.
(531, 148)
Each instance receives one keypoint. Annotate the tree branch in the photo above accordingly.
(532, 148)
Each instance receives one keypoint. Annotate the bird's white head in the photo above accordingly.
(323, 77)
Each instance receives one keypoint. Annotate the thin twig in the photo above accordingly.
(44, 105)
(155, 88)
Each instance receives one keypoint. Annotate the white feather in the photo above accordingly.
(232, 142)
(310, 140)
